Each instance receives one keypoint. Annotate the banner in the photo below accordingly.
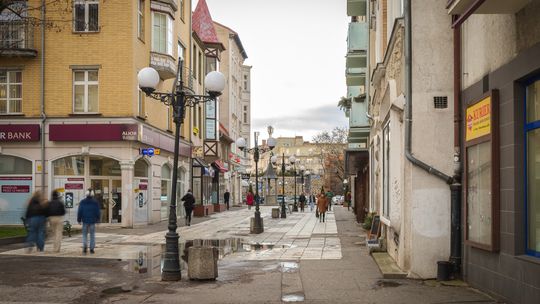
(478, 119)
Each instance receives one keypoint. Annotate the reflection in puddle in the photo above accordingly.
(289, 267)
(292, 298)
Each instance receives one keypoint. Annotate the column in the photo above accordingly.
(127, 193)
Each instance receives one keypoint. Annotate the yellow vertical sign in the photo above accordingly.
(478, 117)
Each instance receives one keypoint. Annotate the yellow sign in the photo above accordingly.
(157, 151)
(478, 117)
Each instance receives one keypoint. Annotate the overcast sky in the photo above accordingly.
(297, 49)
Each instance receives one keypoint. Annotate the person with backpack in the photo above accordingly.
(56, 211)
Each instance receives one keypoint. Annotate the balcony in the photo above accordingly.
(16, 39)
(459, 7)
(358, 37)
(356, 7)
(358, 138)
(355, 76)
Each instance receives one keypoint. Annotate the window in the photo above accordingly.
(194, 62)
(245, 117)
(200, 67)
(482, 174)
(140, 168)
(245, 82)
(85, 16)
(140, 20)
(532, 129)
(10, 92)
(85, 91)
(14, 165)
(386, 171)
(181, 51)
(71, 165)
(182, 9)
(162, 34)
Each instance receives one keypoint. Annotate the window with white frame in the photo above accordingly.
(386, 170)
(140, 20)
(162, 33)
(86, 16)
(10, 92)
(85, 91)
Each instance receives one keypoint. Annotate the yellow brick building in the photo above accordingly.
(71, 114)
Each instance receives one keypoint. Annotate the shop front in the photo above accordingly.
(202, 184)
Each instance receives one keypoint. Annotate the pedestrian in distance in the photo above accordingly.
(311, 202)
(329, 195)
(226, 197)
(89, 215)
(189, 204)
(249, 199)
(348, 200)
(36, 217)
(56, 211)
(302, 200)
(322, 206)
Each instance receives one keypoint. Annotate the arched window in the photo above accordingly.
(14, 165)
(141, 168)
(69, 166)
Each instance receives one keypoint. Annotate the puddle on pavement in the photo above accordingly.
(386, 283)
(289, 267)
(259, 246)
(292, 298)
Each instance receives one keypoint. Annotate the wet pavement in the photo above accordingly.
(295, 260)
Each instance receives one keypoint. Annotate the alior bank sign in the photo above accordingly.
(19, 133)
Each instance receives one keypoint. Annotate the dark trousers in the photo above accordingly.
(188, 216)
(227, 203)
(321, 217)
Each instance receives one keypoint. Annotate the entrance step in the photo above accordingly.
(388, 266)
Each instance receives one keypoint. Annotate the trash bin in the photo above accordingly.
(443, 270)
(275, 212)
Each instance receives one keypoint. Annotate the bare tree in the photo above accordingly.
(332, 145)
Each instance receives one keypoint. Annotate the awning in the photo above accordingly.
(197, 162)
(219, 165)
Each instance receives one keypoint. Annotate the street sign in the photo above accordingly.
(245, 176)
(149, 152)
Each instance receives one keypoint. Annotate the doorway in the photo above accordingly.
(108, 193)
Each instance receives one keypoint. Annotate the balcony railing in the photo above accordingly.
(16, 39)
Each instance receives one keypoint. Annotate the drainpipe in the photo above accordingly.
(455, 187)
(43, 115)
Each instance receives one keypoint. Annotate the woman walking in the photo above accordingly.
(249, 199)
(36, 216)
(322, 205)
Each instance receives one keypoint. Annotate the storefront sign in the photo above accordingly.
(143, 187)
(19, 133)
(94, 132)
(15, 189)
(74, 186)
(245, 176)
(478, 119)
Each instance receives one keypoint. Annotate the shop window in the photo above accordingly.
(165, 190)
(141, 168)
(532, 130)
(67, 166)
(14, 165)
(482, 173)
(86, 16)
(101, 166)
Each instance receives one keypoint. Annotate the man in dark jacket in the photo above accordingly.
(189, 203)
(56, 211)
(89, 215)
(226, 197)
(302, 200)
(36, 217)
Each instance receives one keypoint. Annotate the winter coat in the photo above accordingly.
(226, 196)
(88, 212)
(249, 198)
(35, 208)
(302, 198)
(56, 208)
(322, 203)
(189, 201)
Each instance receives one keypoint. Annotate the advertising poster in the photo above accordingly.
(15, 191)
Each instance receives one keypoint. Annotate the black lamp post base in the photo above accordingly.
(283, 212)
(295, 208)
(171, 262)
(256, 226)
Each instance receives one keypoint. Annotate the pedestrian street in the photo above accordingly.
(298, 237)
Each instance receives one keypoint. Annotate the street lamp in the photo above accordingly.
(292, 160)
(179, 99)
(257, 222)
(274, 161)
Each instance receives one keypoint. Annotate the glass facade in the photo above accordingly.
(532, 137)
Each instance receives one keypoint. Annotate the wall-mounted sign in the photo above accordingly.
(148, 152)
(478, 118)
(93, 132)
(72, 186)
(245, 176)
(19, 133)
(69, 200)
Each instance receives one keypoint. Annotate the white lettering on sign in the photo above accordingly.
(129, 135)
(15, 135)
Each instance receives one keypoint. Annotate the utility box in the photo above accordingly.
(202, 263)
(275, 212)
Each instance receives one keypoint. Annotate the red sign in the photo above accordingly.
(73, 186)
(19, 133)
(15, 189)
(16, 178)
(94, 132)
(75, 179)
(143, 187)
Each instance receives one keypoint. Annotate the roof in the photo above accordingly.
(236, 39)
(203, 25)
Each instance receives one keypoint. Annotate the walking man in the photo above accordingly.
(89, 215)
(302, 200)
(36, 215)
(189, 204)
(56, 211)
(226, 197)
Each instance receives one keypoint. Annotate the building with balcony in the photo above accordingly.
(72, 116)
(496, 69)
(410, 105)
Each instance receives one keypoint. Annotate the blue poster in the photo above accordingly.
(15, 191)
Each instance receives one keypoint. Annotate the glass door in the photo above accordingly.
(101, 194)
(116, 201)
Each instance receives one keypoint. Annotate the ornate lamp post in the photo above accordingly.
(283, 169)
(292, 160)
(257, 222)
(178, 99)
